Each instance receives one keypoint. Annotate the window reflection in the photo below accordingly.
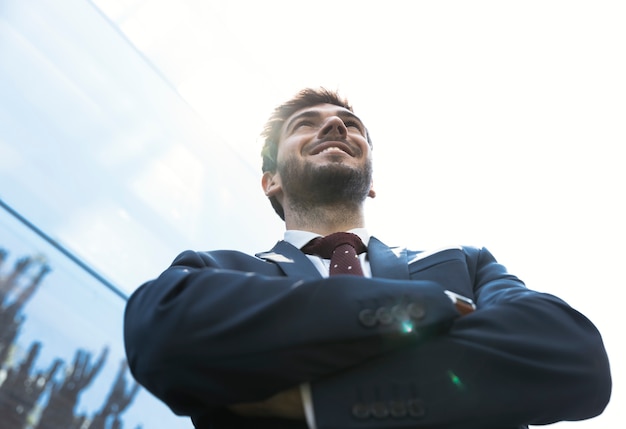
(62, 363)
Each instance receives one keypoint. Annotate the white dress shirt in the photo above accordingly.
(299, 239)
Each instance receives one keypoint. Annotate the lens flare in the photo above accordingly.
(456, 380)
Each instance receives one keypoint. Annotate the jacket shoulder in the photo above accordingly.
(226, 259)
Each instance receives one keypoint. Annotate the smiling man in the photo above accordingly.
(323, 170)
(332, 329)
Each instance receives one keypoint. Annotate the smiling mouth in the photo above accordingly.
(332, 147)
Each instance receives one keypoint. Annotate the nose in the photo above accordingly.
(333, 126)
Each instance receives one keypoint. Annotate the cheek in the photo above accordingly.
(363, 144)
(288, 149)
(367, 151)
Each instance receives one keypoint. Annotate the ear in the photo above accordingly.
(372, 192)
(271, 184)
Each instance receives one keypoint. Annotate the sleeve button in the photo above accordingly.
(397, 409)
(415, 408)
(368, 318)
(416, 311)
(380, 410)
(399, 312)
(360, 410)
(384, 316)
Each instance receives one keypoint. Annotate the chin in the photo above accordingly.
(326, 182)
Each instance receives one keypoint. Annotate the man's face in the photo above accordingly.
(323, 157)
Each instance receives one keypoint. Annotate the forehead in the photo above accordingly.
(325, 108)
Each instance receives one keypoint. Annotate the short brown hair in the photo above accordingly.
(307, 97)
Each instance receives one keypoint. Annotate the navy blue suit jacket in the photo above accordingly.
(391, 351)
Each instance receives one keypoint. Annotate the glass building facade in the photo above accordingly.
(106, 173)
(63, 363)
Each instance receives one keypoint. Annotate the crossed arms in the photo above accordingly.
(220, 329)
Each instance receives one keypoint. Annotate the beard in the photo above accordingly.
(309, 186)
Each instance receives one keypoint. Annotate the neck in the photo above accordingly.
(325, 220)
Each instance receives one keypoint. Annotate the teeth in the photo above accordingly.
(331, 149)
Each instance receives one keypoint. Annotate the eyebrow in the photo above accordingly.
(314, 114)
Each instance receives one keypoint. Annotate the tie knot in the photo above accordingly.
(325, 246)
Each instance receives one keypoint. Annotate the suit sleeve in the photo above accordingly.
(202, 336)
(522, 357)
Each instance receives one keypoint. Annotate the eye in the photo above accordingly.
(301, 124)
(353, 124)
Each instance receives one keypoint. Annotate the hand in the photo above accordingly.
(286, 404)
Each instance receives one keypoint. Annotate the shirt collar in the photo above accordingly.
(300, 238)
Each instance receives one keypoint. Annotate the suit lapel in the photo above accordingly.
(291, 260)
(387, 262)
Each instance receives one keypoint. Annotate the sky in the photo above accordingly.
(496, 124)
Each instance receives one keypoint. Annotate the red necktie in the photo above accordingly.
(342, 248)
